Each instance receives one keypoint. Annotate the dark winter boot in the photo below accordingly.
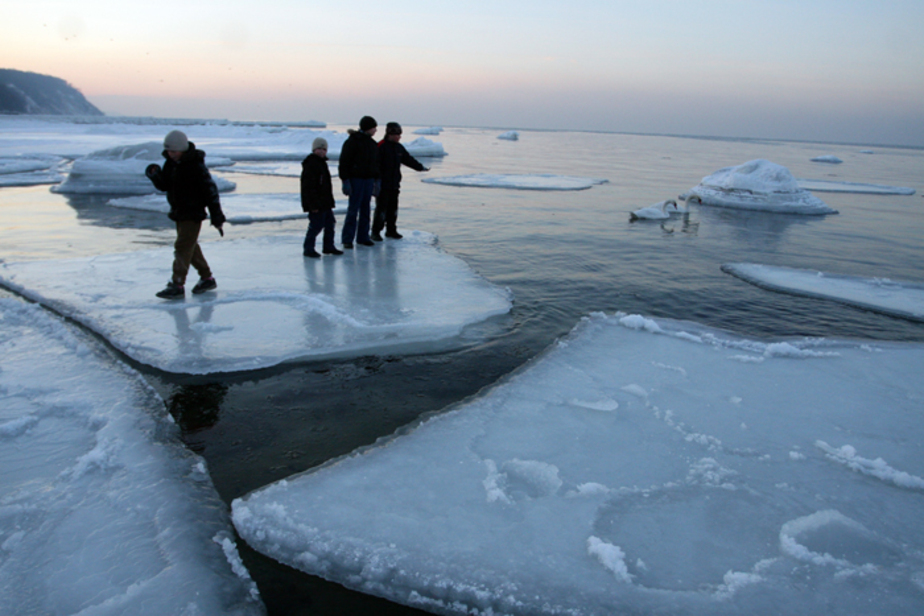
(205, 284)
(172, 291)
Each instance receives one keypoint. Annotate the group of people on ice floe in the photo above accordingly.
(367, 169)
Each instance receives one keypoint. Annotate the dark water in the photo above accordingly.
(563, 255)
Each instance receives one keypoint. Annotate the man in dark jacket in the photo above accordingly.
(318, 200)
(190, 190)
(359, 172)
(391, 156)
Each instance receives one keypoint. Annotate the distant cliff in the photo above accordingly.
(34, 94)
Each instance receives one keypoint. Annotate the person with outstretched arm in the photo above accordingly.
(190, 192)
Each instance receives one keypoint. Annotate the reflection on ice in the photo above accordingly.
(239, 209)
(272, 305)
(102, 509)
(638, 466)
(893, 297)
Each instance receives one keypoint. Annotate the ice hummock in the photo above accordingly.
(536, 181)
(639, 466)
(102, 509)
(430, 130)
(757, 185)
(510, 135)
(239, 209)
(272, 305)
(897, 298)
(120, 171)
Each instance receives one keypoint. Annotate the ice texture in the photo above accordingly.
(539, 181)
(639, 466)
(272, 305)
(897, 298)
(757, 185)
(103, 511)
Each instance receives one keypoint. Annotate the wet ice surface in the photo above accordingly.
(893, 297)
(757, 185)
(239, 209)
(272, 305)
(638, 466)
(518, 181)
(102, 509)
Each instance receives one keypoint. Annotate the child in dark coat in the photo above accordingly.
(190, 191)
(318, 200)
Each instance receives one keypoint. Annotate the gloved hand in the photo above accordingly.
(346, 187)
(221, 231)
(152, 171)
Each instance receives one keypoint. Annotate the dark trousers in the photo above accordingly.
(356, 223)
(186, 251)
(322, 220)
(386, 211)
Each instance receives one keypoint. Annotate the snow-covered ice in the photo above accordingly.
(537, 181)
(31, 170)
(828, 158)
(510, 135)
(898, 298)
(239, 209)
(854, 187)
(431, 130)
(657, 211)
(757, 185)
(272, 305)
(638, 466)
(120, 171)
(102, 510)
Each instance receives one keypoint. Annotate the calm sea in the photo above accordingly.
(562, 254)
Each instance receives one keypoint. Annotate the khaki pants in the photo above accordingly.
(186, 251)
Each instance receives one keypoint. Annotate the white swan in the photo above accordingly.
(658, 211)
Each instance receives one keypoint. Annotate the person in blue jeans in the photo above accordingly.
(359, 173)
(318, 200)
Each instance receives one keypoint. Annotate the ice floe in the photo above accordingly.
(898, 298)
(432, 130)
(239, 209)
(518, 181)
(272, 305)
(830, 159)
(854, 187)
(757, 185)
(510, 135)
(103, 510)
(120, 171)
(672, 487)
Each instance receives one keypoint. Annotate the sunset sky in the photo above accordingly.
(807, 69)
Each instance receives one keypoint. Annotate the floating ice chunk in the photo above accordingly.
(424, 148)
(432, 130)
(271, 305)
(520, 182)
(757, 185)
(102, 510)
(238, 208)
(676, 497)
(854, 187)
(829, 158)
(30, 170)
(658, 211)
(896, 298)
(510, 135)
(120, 171)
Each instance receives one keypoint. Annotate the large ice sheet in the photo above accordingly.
(538, 181)
(102, 510)
(238, 209)
(637, 467)
(120, 170)
(757, 185)
(272, 305)
(898, 298)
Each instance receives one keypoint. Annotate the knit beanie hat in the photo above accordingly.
(176, 141)
(367, 122)
(392, 128)
(319, 142)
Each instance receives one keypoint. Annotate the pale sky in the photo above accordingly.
(846, 70)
